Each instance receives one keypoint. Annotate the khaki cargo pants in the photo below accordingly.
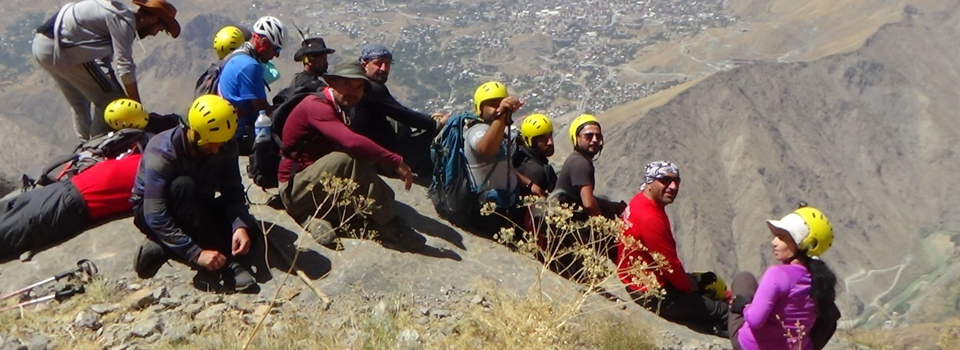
(307, 194)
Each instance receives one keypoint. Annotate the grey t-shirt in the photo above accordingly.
(503, 177)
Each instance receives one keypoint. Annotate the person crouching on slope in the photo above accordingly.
(77, 45)
(322, 144)
(683, 299)
(801, 291)
(174, 196)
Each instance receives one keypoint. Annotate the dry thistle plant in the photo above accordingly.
(340, 196)
(577, 247)
(794, 340)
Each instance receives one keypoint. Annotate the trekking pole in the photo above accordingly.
(58, 296)
(84, 266)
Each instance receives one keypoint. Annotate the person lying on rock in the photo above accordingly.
(86, 188)
(174, 196)
(683, 299)
(793, 306)
(66, 208)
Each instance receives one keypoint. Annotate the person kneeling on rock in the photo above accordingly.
(174, 196)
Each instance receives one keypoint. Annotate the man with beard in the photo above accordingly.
(370, 117)
(175, 202)
(536, 135)
(577, 177)
(648, 261)
(77, 45)
(313, 54)
(317, 129)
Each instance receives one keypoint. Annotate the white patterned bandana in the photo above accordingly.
(658, 169)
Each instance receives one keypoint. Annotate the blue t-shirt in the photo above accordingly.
(241, 81)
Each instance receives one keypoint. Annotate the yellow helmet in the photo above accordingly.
(124, 113)
(711, 285)
(228, 39)
(213, 118)
(808, 227)
(578, 123)
(488, 91)
(535, 125)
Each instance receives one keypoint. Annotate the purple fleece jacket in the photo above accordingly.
(784, 291)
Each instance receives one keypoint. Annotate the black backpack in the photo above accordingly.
(208, 82)
(109, 146)
(266, 156)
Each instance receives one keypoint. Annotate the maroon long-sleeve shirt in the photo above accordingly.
(648, 223)
(319, 121)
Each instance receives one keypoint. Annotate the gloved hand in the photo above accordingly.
(739, 302)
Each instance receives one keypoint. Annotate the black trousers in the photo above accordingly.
(699, 312)
(745, 283)
(42, 216)
(207, 220)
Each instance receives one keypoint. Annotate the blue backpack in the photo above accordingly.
(454, 198)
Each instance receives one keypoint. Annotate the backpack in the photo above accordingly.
(265, 158)
(453, 197)
(209, 81)
(110, 146)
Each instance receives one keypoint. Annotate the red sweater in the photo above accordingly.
(321, 123)
(106, 186)
(648, 223)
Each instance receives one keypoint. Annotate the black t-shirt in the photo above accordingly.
(577, 171)
(536, 168)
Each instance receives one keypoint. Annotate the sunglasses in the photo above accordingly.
(666, 180)
(591, 135)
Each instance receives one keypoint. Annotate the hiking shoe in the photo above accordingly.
(150, 257)
(399, 233)
(320, 230)
(238, 277)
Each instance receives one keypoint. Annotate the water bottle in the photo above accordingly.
(261, 128)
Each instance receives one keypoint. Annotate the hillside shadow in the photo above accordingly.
(428, 225)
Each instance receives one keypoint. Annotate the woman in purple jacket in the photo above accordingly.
(793, 305)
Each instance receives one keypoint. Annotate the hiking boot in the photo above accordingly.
(320, 230)
(150, 257)
(398, 232)
(238, 277)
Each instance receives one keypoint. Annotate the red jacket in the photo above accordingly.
(106, 186)
(320, 123)
(647, 222)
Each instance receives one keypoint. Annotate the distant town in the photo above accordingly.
(457, 45)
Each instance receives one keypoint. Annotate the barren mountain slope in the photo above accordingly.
(868, 136)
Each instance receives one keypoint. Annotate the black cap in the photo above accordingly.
(312, 46)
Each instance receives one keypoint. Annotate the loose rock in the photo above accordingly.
(146, 327)
(140, 299)
(212, 312)
(103, 309)
(87, 320)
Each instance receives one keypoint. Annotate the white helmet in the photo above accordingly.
(271, 28)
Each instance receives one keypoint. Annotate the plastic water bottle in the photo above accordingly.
(261, 128)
